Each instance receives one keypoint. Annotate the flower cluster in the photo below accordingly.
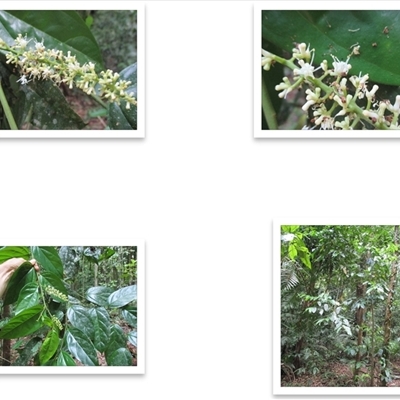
(55, 292)
(57, 322)
(333, 100)
(38, 62)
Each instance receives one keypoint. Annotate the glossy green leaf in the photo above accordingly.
(8, 252)
(132, 337)
(50, 266)
(336, 32)
(65, 360)
(81, 347)
(101, 323)
(80, 318)
(29, 351)
(117, 340)
(120, 357)
(64, 30)
(119, 116)
(23, 324)
(17, 282)
(99, 295)
(28, 297)
(129, 318)
(122, 296)
(49, 346)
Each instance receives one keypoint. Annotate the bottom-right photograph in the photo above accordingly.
(337, 310)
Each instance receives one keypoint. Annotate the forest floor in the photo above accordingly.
(337, 374)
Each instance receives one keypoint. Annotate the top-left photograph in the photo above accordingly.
(66, 73)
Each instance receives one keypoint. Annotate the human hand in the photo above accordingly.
(7, 269)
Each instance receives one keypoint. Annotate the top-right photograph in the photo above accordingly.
(330, 70)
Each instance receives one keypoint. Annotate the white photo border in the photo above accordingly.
(258, 132)
(139, 369)
(276, 322)
(139, 133)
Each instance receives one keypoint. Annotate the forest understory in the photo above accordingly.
(340, 305)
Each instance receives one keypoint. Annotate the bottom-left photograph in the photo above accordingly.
(64, 306)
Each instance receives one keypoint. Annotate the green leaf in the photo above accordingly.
(65, 360)
(81, 347)
(51, 266)
(17, 282)
(335, 32)
(63, 30)
(106, 254)
(28, 297)
(120, 357)
(99, 295)
(101, 323)
(119, 116)
(122, 296)
(8, 252)
(129, 318)
(49, 346)
(132, 337)
(81, 319)
(117, 340)
(23, 324)
(292, 251)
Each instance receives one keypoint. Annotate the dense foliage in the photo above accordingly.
(340, 302)
(80, 309)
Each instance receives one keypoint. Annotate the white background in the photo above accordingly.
(202, 193)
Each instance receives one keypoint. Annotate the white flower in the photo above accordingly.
(324, 118)
(23, 80)
(39, 46)
(345, 124)
(359, 81)
(343, 102)
(286, 86)
(311, 98)
(266, 59)
(371, 94)
(306, 70)
(396, 107)
(341, 68)
(287, 237)
(21, 42)
(327, 122)
(324, 65)
(302, 52)
(370, 114)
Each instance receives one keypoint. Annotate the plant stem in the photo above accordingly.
(7, 110)
(268, 109)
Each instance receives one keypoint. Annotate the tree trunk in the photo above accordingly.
(360, 293)
(387, 325)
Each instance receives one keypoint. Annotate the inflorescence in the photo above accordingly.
(42, 63)
(332, 96)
